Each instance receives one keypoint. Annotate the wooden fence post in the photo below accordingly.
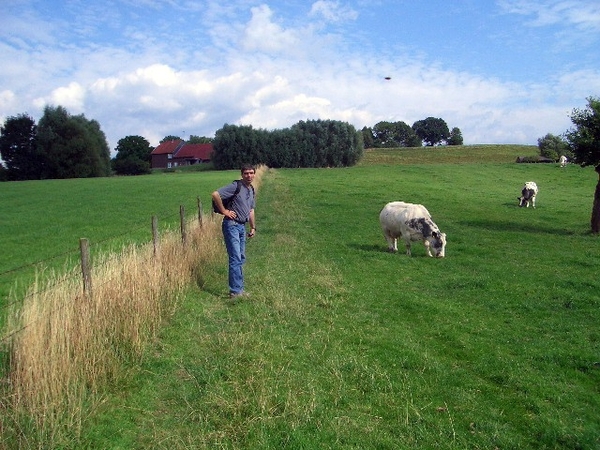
(199, 212)
(182, 219)
(155, 234)
(84, 247)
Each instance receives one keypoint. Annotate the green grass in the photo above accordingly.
(344, 345)
(41, 222)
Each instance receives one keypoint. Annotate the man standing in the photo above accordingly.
(238, 212)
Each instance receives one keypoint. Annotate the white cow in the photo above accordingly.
(562, 160)
(412, 223)
(528, 194)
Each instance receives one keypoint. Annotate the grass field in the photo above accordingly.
(346, 346)
(41, 222)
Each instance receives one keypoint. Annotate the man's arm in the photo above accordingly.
(219, 202)
(252, 223)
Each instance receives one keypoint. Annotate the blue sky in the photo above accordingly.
(503, 71)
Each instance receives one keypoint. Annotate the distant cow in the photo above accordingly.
(562, 160)
(528, 194)
(412, 223)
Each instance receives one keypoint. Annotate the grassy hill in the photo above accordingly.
(344, 345)
(460, 154)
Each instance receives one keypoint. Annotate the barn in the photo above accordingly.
(177, 152)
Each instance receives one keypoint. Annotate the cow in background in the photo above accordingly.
(562, 160)
(412, 223)
(528, 194)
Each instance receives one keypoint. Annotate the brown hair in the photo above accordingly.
(247, 167)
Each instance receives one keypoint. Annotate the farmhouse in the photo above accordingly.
(177, 152)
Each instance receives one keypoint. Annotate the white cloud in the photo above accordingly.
(583, 14)
(231, 63)
(333, 11)
(72, 97)
(262, 34)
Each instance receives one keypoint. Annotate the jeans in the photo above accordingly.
(235, 241)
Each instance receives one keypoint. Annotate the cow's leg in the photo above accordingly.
(391, 240)
(427, 245)
(533, 201)
(407, 244)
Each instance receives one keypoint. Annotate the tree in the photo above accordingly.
(584, 142)
(314, 143)
(236, 145)
(18, 148)
(133, 156)
(432, 131)
(394, 134)
(383, 134)
(199, 140)
(71, 146)
(405, 136)
(170, 138)
(552, 147)
(456, 137)
(368, 137)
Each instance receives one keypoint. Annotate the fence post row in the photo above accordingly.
(155, 234)
(84, 247)
(182, 219)
(199, 212)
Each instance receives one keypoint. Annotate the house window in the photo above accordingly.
(170, 156)
(168, 165)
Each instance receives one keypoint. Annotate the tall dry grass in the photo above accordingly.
(67, 346)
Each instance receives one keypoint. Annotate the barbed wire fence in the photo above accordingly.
(83, 254)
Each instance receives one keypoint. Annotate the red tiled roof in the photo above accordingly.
(167, 147)
(197, 151)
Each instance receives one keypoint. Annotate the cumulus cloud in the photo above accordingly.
(194, 69)
(72, 97)
(263, 34)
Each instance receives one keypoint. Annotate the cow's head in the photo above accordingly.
(526, 196)
(437, 244)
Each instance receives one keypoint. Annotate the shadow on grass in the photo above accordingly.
(369, 248)
(518, 227)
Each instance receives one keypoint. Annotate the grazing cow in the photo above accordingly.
(412, 223)
(528, 194)
(562, 160)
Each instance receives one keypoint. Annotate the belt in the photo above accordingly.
(236, 221)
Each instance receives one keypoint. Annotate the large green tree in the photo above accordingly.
(71, 146)
(432, 131)
(551, 146)
(235, 145)
(18, 148)
(456, 137)
(394, 134)
(584, 141)
(133, 156)
(312, 143)
(368, 137)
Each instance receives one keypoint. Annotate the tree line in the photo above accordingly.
(429, 132)
(311, 143)
(62, 145)
(58, 146)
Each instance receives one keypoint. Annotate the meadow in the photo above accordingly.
(344, 345)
